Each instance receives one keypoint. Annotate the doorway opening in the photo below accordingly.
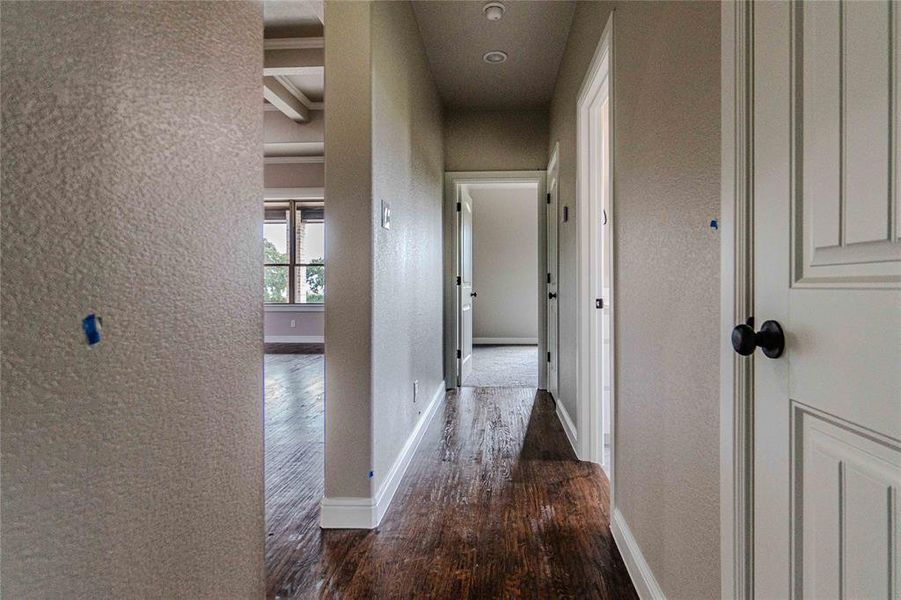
(294, 257)
(596, 282)
(495, 311)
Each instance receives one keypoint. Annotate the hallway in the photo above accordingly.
(494, 504)
(503, 366)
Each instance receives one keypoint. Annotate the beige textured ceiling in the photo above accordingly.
(456, 34)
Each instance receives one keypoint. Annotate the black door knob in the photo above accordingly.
(770, 339)
(473, 294)
(551, 295)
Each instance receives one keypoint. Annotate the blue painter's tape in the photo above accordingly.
(371, 474)
(91, 325)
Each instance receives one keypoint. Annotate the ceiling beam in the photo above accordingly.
(294, 61)
(302, 43)
(281, 98)
(298, 94)
(318, 7)
(293, 160)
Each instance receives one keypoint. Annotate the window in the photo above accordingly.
(294, 265)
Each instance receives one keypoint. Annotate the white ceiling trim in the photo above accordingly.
(293, 43)
(285, 100)
(295, 91)
(292, 160)
(274, 149)
(309, 70)
(306, 193)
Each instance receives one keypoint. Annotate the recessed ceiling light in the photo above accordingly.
(495, 57)
(493, 11)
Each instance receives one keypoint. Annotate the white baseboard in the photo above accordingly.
(511, 341)
(347, 513)
(639, 570)
(293, 339)
(367, 513)
(399, 468)
(568, 427)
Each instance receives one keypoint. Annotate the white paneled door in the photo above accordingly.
(464, 287)
(827, 269)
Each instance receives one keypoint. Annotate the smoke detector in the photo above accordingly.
(495, 57)
(493, 11)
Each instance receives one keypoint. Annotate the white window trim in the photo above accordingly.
(294, 307)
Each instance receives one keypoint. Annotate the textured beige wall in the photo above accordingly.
(348, 251)
(407, 171)
(495, 140)
(131, 188)
(666, 175)
(505, 253)
(294, 175)
(383, 326)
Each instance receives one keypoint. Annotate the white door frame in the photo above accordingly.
(452, 182)
(600, 74)
(552, 210)
(736, 302)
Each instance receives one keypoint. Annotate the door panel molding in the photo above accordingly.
(857, 510)
(845, 145)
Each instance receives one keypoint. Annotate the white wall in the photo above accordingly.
(131, 188)
(505, 264)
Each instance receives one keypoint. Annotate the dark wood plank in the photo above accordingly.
(494, 505)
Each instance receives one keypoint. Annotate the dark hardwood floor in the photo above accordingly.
(494, 504)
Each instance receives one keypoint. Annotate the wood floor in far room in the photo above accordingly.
(494, 505)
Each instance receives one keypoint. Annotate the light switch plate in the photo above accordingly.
(386, 215)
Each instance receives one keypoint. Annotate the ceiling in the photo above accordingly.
(456, 35)
(286, 18)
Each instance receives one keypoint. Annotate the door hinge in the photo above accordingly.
(599, 303)
(459, 354)
(459, 207)
(549, 357)
(548, 197)
(459, 281)
(548, 277)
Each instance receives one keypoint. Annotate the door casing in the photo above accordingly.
(452, 182)
(592, 188)
(552, 258)
(736, 302)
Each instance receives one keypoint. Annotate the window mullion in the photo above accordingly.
(292, 250)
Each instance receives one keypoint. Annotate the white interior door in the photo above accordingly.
(552, 281)
(827, 260)
(464, 287)
(595, 118)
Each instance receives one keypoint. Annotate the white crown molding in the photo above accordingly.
(304, 193)
(367, 513)
(293, 43)
(291, 160)
(639, 570)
